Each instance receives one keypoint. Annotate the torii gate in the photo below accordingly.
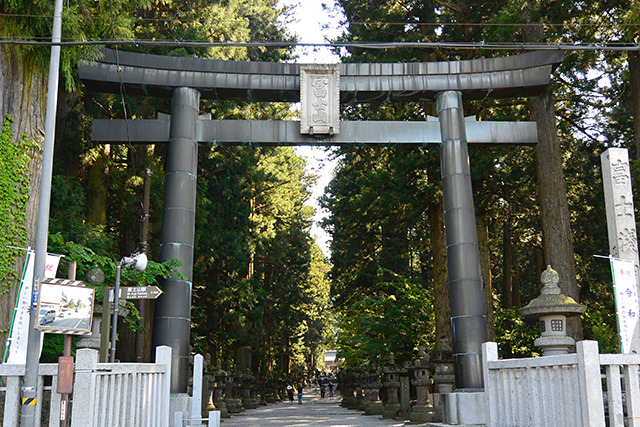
(321, 89)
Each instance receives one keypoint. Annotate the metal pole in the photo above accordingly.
(105, 327)
(468, 311)
(172, 321)
(29, 392)
(143, 304)
(114, 319)
(68, 343)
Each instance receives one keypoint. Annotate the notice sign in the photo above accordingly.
(626, 291)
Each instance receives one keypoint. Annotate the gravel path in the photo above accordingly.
(314, 412)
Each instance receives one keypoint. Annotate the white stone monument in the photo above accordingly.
(621, 226)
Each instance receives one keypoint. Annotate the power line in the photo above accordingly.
(612, 46)
(182, 20)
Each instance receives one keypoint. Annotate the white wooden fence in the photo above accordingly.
(566, 390)
(105, 394)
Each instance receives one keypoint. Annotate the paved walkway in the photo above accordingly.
(314, 412)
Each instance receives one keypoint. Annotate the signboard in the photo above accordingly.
(139, 292)
(320, 100)
(626, 292)
(64, 307)
(65, 375)
(20, 328)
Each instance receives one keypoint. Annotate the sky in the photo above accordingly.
(313, 25)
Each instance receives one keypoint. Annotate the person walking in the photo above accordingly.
(330, 390)
(290, 394)
(299, 394)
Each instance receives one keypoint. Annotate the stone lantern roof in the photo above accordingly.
(551, 300)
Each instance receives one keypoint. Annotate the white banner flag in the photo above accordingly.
(20, 329)
(626, 292)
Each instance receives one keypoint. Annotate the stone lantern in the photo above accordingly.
(552, 308)
(423, 410)
(392, 384)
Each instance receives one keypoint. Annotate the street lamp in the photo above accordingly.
(139, 261)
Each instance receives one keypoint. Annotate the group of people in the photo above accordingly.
(291, 391)
(323, 390)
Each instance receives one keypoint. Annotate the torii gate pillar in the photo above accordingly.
(172, 322)
(468, 311)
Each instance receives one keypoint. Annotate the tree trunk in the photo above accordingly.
(507, 262)
(515, 282)
(634, 80)
(485, 266)
(440, 282)
(554, 208)
(23, 86)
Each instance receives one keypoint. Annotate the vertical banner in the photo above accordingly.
(20, 329)
(626, 292)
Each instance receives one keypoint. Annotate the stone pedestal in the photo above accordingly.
(464, 408)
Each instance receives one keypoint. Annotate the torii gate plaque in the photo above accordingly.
(446, 83)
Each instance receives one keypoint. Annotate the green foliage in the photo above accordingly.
(600, 325)
(86, 259)
(81, 20)
(515, 335)
(14, 196)
(396, 316)
(260, 282)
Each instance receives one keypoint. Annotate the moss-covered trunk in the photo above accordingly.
(23, 96)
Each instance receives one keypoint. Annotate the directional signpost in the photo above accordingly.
(125, 293)
(140, 292)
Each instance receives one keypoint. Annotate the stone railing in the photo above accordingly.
(104, 394)
(566, 390)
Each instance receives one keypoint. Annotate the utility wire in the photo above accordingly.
(181, 20)
(611, 46)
